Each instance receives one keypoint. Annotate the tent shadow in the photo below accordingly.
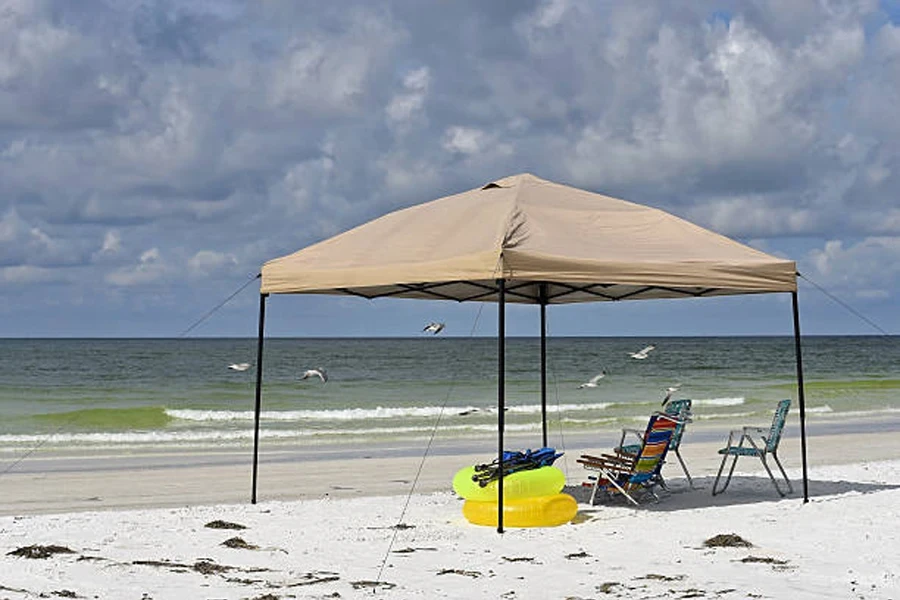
(742, 490)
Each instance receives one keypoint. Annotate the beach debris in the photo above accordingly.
(208, 567)
(217, 524)
(373, 585)
(593, 381)
(763, 559)
(317, 372)
(575, 555)
(239, 543)
(777, 564)
(642, 353)
(691, 593)
(65, 593)
(518, 558)
(657, 577)
(244, 580)
(434, 328)
(411, 550)
(314, 578)
(472, 574)
(203, 566)
(608, 587)
(4, 588)
(38, 551)
(727, 540)
(266, 597)
(398, 527)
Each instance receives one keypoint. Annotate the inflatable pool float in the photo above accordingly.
(539, 511)
(544, 481)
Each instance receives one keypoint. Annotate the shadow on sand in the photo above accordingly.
(743, 489)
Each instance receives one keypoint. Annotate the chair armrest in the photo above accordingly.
(609, 462)
(636, 432)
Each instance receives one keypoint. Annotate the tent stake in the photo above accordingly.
(501, 394)
(800, 395)
(259, 366)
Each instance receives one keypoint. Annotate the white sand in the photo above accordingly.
(839, 545)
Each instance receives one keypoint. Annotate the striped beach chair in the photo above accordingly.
(679, 409)
(759, 442)
(633, 476)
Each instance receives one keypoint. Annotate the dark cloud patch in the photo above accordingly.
(167, 32)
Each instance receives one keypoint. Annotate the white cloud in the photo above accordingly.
(206, 262)
(407, 104)
(112, 243)
(867, 269)
(149, 269)
(465, 140)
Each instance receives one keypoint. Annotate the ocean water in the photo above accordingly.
(131, 395)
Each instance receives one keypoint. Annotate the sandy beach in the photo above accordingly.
(349, 527)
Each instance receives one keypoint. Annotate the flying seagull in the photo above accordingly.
(434, 328)
(319, 372)
(643, 353)
(669, 391)
(239, 366)
(592, 382)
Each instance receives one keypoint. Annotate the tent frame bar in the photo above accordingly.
(431, 289)
(800, 394)
(501, 394)
(258, 407)
(544, 299)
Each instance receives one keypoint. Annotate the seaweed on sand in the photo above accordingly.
(219, 524)
(239, 543)
(727, 540)
(37, 551)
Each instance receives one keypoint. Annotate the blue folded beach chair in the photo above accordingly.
(759, 442)
(513, 462)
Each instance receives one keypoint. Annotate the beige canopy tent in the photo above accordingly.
(528, 240)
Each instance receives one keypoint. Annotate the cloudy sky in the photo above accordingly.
(153, 154)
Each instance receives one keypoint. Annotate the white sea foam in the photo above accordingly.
(177, 437)
(735, 401)
(360, 414)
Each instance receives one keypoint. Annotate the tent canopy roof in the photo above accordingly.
(551, 243)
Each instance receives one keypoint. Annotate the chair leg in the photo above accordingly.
(772, 477)
(783, 474)
(594, 490)
(615, 483)
(684, 468)
(715, 490)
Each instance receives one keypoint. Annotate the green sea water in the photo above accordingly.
(128, 395)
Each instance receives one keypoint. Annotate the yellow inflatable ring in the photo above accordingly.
(540, 511)
(543, 481)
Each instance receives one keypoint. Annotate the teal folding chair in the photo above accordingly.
(759, 442)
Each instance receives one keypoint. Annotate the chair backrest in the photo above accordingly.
(777, 425)
(653, 452)
(681, 410)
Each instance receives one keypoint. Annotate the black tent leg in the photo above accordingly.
(501, 394)
(800, 395)
(259, 367)
(543, 299)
